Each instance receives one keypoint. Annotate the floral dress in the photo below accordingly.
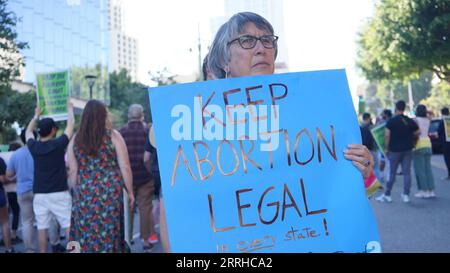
(97, 222)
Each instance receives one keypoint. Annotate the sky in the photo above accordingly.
(320, 34)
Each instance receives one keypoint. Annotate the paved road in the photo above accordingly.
(423, 225)
(136, 247)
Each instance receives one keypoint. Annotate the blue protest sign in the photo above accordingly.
(256, 164)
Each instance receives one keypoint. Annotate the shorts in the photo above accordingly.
(57, 204)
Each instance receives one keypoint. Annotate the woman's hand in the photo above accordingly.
(361, 158)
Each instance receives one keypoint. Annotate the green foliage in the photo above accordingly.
(421, 88)
(13, 106)
(80, 88)
(404, 38)
(10, 59)
(123, 93)
(440, 97)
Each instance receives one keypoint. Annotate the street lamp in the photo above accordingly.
(91, 81)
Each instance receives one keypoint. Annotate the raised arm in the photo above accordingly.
(70, 120)
(32, 124)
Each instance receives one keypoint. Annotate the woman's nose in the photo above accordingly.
(259, 48)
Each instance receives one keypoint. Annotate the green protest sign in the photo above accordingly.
(52, 93)
(447, 128)
(378, 135)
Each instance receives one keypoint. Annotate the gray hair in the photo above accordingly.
(135, 112)
(219, 55)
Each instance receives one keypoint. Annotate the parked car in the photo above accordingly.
(436, 143)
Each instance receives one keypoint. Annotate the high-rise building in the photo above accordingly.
(115, 14)
(124, 49)
(272, 10)
(65, 35)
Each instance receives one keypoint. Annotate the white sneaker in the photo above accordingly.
(420, 194)
(431, 194)
(405, 198)
(384, 198)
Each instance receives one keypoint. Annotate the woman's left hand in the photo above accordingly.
(361, 158)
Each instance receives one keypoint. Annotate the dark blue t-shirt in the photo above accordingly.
(402, 133)
(50, 173)
(2, 190)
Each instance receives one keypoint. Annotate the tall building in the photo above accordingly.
(115, 14)
(272, 10)
(124, 49)
(65, 35)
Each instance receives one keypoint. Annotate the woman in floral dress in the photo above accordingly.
(99, 169)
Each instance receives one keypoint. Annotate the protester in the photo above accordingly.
(51, 195)
(21, 167)
(246, 46)
(11, 191)
(99, 170)
(4, 216)
(445, 143)
(386, 115)
(422, 156)
(398, 144)
(135, 134)
(367, 137)
(207, 75)
(151, 164)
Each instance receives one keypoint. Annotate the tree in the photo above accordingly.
(421, 88)
(404, 38)
(10, 58)
(13, 106)
(123, 93)
(372, 102)
(440, 97)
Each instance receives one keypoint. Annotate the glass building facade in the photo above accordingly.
(62, 35)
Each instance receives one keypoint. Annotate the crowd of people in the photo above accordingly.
(407, 144)
(77, 183)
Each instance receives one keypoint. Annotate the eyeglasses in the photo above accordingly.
(249, 41)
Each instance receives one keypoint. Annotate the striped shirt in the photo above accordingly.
(135, 133)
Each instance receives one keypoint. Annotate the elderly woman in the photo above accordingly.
(246, 46)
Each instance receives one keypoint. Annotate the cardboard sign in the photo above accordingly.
(378, 135)
(446, 121)
(53, 90)
(256, 164)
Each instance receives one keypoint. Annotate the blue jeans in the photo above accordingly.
(395, 159)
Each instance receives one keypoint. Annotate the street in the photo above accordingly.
(419, 226)
(423, 225)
